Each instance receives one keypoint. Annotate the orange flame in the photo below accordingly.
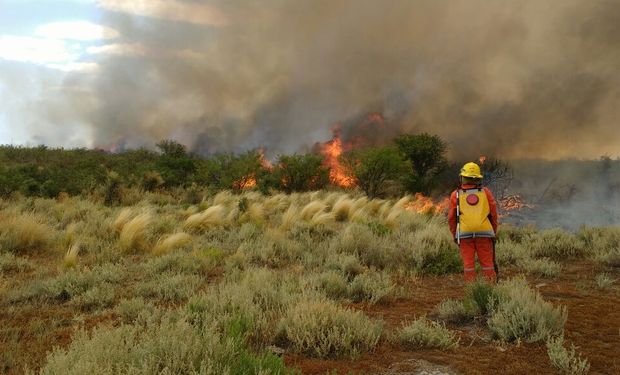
(482, 159)
(331, 151)
(423, 204)
(249, 182)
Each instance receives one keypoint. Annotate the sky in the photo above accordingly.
(512, 79)
(47, 44)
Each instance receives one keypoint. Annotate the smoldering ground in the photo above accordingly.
(514, 79)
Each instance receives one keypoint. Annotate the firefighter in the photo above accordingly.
(473, 223)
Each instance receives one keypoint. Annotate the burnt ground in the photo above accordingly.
(593, 326)
(28, 332)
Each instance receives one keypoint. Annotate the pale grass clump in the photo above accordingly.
(290, 217)
(604, 280)
(214, 216)
(24, 234)
(518, 312)
(324, 329)
(133, 234)
(255, 212)
(567, 362)
(347, 264)
(342, 209)
(70, 259)
(276, 203)
(312, 209)
(223, 198)
(9, 263)
(423, 333)
(172, 242)
(323, 219)
(400, 204)
(123, 218)
(393, 217)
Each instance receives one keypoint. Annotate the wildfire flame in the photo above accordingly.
(482, 159)
(331, 151)
(249, 182)
(514, 202)
(423, 204)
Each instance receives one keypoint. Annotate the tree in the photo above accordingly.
(497, 176)
(426, 153)
(230, 171)
(301, 173)
(374, 167)
(175, 166)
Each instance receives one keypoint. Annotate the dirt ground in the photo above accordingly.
(593, 326)
(28, 332)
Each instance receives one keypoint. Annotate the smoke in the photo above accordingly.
(513, 79)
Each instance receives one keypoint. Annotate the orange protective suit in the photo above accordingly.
(483, 247)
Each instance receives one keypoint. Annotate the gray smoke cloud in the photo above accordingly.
(514, 79)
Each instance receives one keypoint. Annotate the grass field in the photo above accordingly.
(302, 283)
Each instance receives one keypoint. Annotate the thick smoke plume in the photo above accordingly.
(513, 79)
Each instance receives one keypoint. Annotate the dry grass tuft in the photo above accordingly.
(172, 242)
(212, 217)
(133, 234)
(70, 259)
(24, 234)
(312, 209)
(342, 209)
(123, 218)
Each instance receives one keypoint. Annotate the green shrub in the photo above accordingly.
(557, 244)
(479, 295)
(454, 311)
(567, 362)
(323, 329)
(132, 309)
(169, 346)
(427, 334)
(10, 263)
(604, 281)
(98, 297)
(518, 312)
(169, 287)
(541, 267)
(371, 286)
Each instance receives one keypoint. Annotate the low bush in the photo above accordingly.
(453, 311)
(325, 330)
(567, 362)
(604, 281)
(427, 334)
(518, 312)
(556, 244)
(371, 286)
(169, 287)
(10, 263)
(168, 346)
(540, 267)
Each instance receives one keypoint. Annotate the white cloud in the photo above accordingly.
(175, 10)
(76, 30)
(127, 49)
(35, 50)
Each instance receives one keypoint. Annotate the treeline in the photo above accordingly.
(414, 163)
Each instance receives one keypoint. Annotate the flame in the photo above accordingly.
(331, 151)
(513, 202)
(482, 159)
(423, 204)
(249, 182)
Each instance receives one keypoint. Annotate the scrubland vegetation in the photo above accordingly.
(229, 283)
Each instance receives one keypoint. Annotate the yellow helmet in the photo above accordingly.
(471, 170)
